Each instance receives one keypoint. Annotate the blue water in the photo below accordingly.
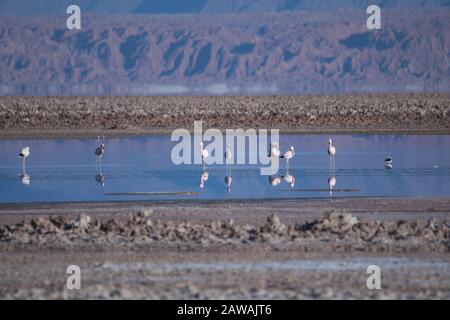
(65, 170)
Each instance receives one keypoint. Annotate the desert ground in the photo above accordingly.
(278, 249)
(298, 249)
(90, 116)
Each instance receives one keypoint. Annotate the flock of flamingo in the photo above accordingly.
(274, 153)
(99, 151)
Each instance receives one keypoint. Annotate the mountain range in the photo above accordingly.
(51, 7)
(233, 51)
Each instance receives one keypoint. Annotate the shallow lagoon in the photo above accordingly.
(65, 170)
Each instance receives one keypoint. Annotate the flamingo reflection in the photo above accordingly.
(228, 180)
(25, 179)
(203, 178)
(100, 179)
(331, 183)
(274, 180)
(290, 179)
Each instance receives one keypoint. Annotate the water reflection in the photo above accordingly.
(290, 179)
(25, 179)
(228, 179)
(100, 179)
(274, 180)
(62, 170)
(203, 178)
(331, 184)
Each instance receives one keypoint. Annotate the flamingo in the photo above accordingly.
(228, 154)
(388, 163)
(203, 178)
(204, 153)
(24, 153)
(331, 153)
(99, 153)
(274, 150)
(331, 184)
(288, 155)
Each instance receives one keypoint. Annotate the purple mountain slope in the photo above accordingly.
(291, 52)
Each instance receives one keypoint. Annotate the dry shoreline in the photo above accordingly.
(299, 249)
(241, 211)
(51, 117)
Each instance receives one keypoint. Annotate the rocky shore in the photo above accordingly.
(87, 116)
(139, 228)
(311, 249)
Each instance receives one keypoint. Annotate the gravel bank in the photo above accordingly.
(312, 249)
(85, 116)
(335, 226)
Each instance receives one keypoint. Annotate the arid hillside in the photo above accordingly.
(253, 53)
